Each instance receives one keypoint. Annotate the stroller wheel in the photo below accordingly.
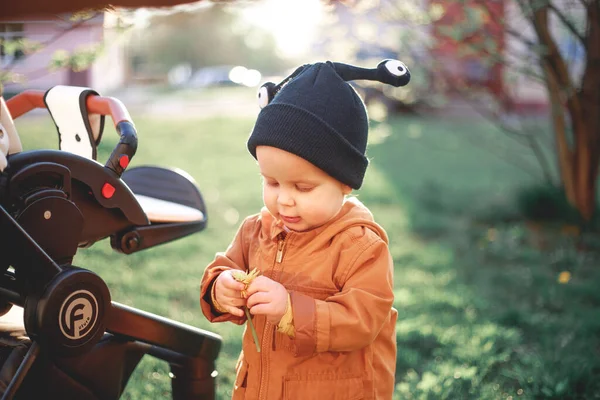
(69, 318)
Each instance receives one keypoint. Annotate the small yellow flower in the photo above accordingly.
(246, 278)
(564, 277)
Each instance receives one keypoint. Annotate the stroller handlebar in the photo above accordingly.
(127, 146)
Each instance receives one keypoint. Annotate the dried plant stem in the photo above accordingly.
(246, 278)
(254, 335)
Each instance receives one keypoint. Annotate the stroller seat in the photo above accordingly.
(158, 210)
(165, 195)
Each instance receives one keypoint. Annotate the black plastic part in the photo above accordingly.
(163, 332)
(26, 254)
(100, 222)
(69, 318)
(41, 174)
(193, 380)
(55, 224)
(88, 172)
(100, 374)
(127, 146)
(149, 236)
(5, 305)
(45, 179)
(165, 184)
(12, 352)
(11, 289)
(22, 371)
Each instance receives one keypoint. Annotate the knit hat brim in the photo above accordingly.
(302, 133)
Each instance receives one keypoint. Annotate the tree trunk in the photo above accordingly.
(565, 154)
(578, 163)
(590, 100)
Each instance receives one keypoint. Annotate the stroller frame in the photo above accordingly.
(80, 343)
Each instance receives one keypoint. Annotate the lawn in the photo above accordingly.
(483, 312)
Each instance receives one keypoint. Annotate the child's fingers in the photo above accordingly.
(258, 298)
(230, 283)
(260, 284)
(260, 309)
(227, 297)
(236, 302)
(235, 311)
(230, 293)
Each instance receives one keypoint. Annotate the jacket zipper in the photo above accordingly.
(280, 245)
(269, 332)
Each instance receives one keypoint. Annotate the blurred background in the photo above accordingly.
(483, 170)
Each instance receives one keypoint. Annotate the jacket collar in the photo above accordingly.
(353, 212)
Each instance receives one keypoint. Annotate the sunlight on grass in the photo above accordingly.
(483, 314)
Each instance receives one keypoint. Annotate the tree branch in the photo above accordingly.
(572, 28)
(497, 58)
(501, 21)
(524, 139)
(556, 64)
(54, 38)
(507, 157)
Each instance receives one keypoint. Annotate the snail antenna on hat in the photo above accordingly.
(391, 72)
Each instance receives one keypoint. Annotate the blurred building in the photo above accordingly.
(62, 34)
(469, 47)
(486, 55)
(466, 55)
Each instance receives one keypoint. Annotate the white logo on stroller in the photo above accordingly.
(78, 314)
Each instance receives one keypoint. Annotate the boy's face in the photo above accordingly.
(297, 192)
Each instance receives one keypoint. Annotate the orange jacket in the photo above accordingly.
(340, 280)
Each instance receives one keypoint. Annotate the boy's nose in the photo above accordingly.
(284, 198)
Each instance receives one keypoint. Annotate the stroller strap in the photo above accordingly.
(10, 142)
(78, 132)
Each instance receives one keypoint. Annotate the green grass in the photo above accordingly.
(481, 312)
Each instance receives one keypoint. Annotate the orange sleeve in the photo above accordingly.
(235, 257)
(352, 318)
(286, 324)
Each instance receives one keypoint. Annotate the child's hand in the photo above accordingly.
(267, 297)
(228, 293)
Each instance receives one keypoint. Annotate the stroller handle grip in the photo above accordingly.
(31, 99)
(127, 146)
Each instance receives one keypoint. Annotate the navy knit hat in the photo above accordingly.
(315, 114)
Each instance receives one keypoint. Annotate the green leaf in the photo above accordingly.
(547, 392)
(561, 387)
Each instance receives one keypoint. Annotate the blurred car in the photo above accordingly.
(224, 75)
(211, 76)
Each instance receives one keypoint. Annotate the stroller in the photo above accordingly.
(75, 343)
